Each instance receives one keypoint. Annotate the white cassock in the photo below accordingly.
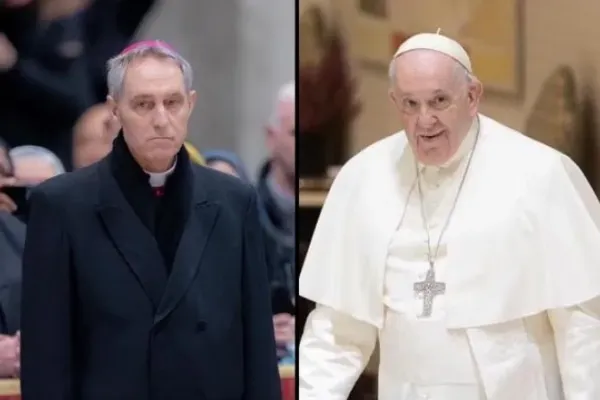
(520, 317)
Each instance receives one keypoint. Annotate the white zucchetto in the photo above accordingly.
(436, 42)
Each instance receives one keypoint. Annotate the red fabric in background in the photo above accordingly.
(288, 387)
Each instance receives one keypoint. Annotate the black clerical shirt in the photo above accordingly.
(165, 216)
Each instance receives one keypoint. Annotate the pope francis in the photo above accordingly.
(469, 251)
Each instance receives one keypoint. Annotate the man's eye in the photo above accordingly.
(440, 102)
(410, 103)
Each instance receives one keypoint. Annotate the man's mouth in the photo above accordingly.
(432, 136)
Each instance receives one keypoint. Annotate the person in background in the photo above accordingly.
(12, 241)
(33, 164)
(7, 178)
(276, 186)
(227, 162)
(93, 135)
(5, 163)
(22, 168)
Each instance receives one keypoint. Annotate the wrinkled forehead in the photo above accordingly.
(425, 71)
(153, 76)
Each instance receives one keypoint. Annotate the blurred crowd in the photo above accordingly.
(53, 119)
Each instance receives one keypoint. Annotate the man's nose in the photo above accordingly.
(160, 117)
(426, 119)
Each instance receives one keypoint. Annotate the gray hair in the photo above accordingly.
(38, 152)
(117, 66)
(286, 94)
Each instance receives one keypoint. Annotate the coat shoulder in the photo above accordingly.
(226, 190)
(69, 187)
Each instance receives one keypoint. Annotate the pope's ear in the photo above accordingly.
(475, 90)
(475, 94)
(392, 96)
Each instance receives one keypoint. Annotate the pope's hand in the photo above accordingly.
(6, 203)
(9, 356)
(8, 54)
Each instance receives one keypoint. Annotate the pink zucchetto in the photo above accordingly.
(147, 43)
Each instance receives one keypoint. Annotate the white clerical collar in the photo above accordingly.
(465, 147)
(158, 179)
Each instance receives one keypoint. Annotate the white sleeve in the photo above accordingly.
(577, 338)
(333, 352)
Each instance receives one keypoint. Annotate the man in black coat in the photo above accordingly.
(144, 276)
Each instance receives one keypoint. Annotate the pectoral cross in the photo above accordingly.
(430, 288)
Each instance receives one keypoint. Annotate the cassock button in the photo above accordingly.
(158, 191)
(201, 326)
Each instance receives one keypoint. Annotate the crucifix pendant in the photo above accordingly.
(430, 288)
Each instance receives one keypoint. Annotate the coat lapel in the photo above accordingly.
(196, 234)
(132, 239)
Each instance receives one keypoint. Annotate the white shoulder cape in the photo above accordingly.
(525, 236)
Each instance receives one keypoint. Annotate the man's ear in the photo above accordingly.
(476, 91)
(193, 96)
(474, 95)
(392, 96)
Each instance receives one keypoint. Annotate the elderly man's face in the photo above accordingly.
(436, 103)
(153, 109)
(281, 139)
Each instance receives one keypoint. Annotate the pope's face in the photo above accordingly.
(153, 109)
(436, 102)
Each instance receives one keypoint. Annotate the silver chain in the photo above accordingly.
(433, 256)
